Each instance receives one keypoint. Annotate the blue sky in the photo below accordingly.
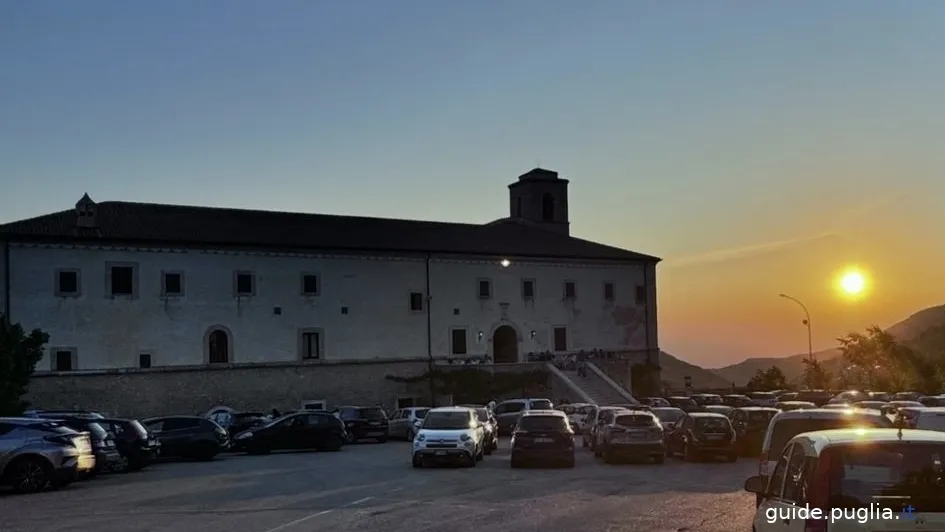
(688, 129)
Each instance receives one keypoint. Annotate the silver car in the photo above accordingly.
(36, 454)
(404, 423)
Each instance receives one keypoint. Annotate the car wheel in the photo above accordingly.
(29, 475)
(481, 454)
(472, 461)
(417, 461)
(349, 437)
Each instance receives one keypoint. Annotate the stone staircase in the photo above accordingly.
(596, 388)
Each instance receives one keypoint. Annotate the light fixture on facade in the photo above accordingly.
(533, 334)
(506, 263)
(480, 336)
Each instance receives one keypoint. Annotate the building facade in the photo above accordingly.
(139, 288)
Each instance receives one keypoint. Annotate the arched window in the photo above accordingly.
(218, 347)
(547, 208)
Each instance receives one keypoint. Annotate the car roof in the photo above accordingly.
(823, 413)
(757, 409)
(25, 420)
(825, 438)
(665, 408)
(544, 413)
(451, 409)
(706, 415)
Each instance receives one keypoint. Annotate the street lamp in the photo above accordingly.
(810, 342)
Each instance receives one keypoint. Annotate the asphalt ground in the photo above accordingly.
(372, 487)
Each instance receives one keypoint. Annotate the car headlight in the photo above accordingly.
(420, 437)
(465, 437)
(244, 436)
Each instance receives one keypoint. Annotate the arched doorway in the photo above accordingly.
(505, 345)
(218, 347)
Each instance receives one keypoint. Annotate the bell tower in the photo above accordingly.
(540, 197)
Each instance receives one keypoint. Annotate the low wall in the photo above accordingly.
(254, 387)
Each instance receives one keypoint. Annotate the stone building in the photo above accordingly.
(180, 307)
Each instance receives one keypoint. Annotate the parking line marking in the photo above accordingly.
(300, 520)
(359, 501)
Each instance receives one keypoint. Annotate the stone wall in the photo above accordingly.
(255, 387)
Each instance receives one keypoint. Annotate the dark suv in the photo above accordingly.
(364, 423)
(134, 442)
(701, 434)
(191, 437)
(543, 436)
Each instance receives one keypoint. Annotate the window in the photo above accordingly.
(67, 283)
(416, 302)
(509, 407)
(776, 483)
(458, 342)
(570, 290)
(609, 292)
(485, 289)
(641, 295)
(245, 284)
(63, 360)
(310, 348)
(794, 482)
(122, 280)
(528, 289)
(144, 360)
(172, 284)
(310, 285)
(561, 339)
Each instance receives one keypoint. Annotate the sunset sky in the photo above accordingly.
(758, 147)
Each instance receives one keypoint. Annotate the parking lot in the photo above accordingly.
(373, 487)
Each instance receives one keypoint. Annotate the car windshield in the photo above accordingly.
(669, 415)
(457, 420)
(786, 429)
(761, 396)
(97, 431)
(889, 475)
(373, 413)
(634, 420)
(543, 423)
(568, 409)
(541, 404)
(760, 416)
(510, 407)
(712, 424)
(420, 412)
(138, 428)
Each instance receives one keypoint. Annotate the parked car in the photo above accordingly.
(851, 470)
(703, 399)
(107, 457)
(135, 444)
(302, 430)
(930, 418)
(818, 397)
(668, 418)
(736, 400)
(542, 436)
(364, 423)
(750, 425)
(763, 399)
(602, 416)
(37, 454)
(702, 434)
(508, 412)
(725, 410)
(656, 402)
(932, 400)
(686, 404)
(403, 423)
(490, 427)
(448, 435)
(786, 425)
(189, 437)
(632, 434)
(577, 415)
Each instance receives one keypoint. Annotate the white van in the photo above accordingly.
(786, 425)
(928, 418)
(854, 480)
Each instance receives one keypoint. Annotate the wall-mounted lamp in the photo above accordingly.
(533, 334)
(480, 336)
(505, 263)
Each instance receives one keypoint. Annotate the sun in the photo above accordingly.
(853, 282)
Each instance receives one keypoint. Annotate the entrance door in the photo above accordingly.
(505, 345)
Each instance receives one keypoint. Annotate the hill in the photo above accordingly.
(924, 330)
(674, 371)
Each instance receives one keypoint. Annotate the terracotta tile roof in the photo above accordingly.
(146, 223)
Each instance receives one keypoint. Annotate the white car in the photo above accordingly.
(449, 435)
(577, 415)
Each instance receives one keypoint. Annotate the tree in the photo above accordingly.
(816, 377)
(768, 379)
(19, 354)
(874, 360)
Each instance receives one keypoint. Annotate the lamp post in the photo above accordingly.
(810, 342)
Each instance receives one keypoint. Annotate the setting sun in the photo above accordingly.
(852, 282)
